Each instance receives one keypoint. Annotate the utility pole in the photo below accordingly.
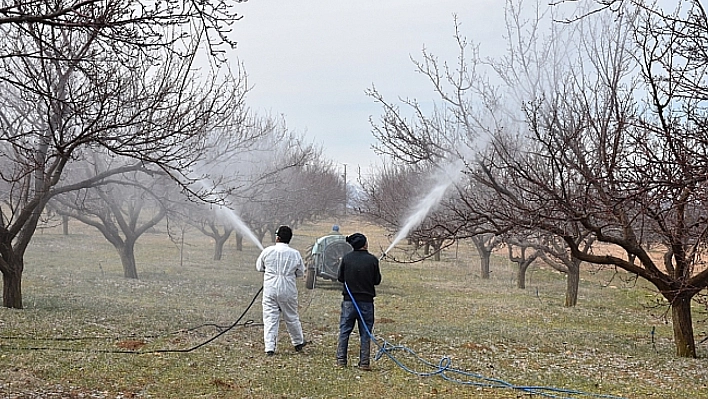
(346, 195)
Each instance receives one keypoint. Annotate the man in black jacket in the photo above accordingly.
(359, 271)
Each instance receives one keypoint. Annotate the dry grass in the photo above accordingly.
(80, 312)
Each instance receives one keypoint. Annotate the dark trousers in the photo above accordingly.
(348, 317)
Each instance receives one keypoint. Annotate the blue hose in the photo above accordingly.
(445, 370)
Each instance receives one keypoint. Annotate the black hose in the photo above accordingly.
(195, 347)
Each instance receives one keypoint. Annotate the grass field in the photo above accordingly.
(80, 314)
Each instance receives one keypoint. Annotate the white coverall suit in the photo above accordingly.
(282, 265)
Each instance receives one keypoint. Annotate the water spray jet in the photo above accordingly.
(446, 177)
(237, 223)
(233, 218)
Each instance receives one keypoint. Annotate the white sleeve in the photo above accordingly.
(300, 269)
(260, 263)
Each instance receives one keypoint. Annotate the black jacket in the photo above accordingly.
(360, 271)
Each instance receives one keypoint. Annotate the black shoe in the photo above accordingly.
(270, 353)
(298, 348)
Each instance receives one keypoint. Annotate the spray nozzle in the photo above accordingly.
(383, 255)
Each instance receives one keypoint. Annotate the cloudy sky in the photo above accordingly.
(312, 61)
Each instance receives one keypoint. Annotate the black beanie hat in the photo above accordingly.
(285, 233)
(357, 240)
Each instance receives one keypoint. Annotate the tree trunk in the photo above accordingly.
(571, 285)
(437, 249)
(12, 287)
(484, 257)
(218, 249)
(127, 258)
(65, 225)
(239, 242)
(521, 275)
(683, 327)
(219, 242)
(484, 248)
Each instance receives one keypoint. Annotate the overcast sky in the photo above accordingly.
(312, 61)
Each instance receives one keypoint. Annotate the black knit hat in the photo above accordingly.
(284, 233)
(357, 240)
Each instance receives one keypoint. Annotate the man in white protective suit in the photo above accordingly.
(281, 265)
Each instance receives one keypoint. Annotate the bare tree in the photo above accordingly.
(555, 253)
(72, 90)
(520, 257)
(389, 194)
(611, 141)
(204, 218)
(394, 194)
(122, 208)
(618, 169)
(279, 178)
(302, 186)
(29, 12)
(230, 167)
(485, 244)
(134, 26)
